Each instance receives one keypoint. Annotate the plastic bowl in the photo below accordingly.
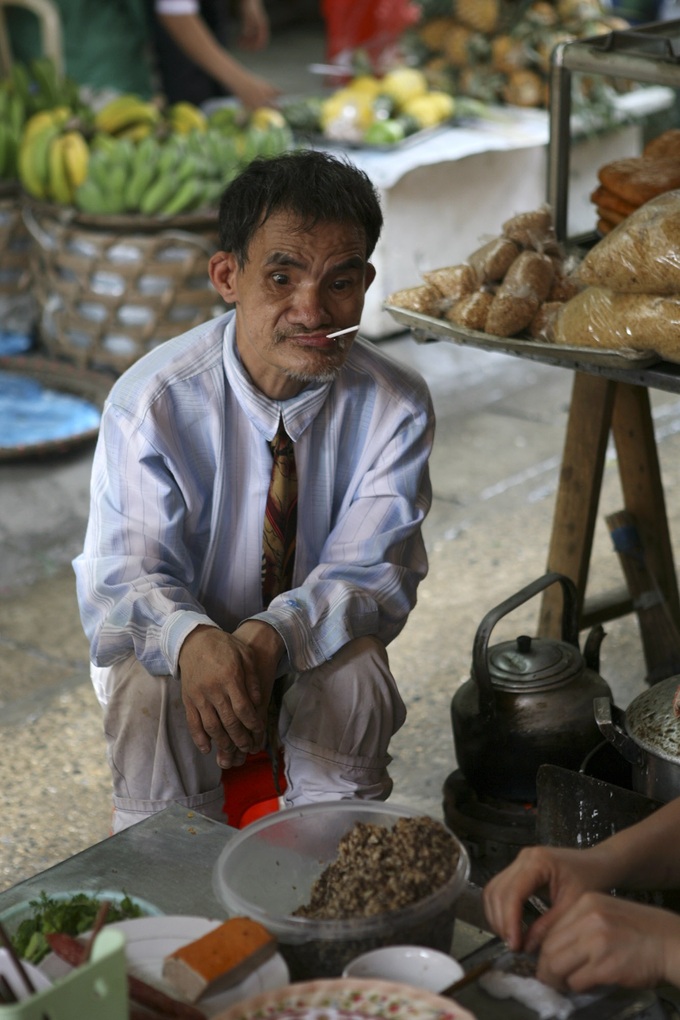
(407, 965)
(268, 869)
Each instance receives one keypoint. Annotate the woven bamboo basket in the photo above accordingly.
(112, 288)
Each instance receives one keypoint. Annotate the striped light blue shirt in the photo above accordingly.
(179, 484)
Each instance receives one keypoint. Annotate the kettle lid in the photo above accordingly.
(532, 664)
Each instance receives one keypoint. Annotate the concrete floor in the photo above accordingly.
(495, 467)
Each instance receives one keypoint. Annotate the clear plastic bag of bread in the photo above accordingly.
(607, 320)
(525, 287)
(425, 299)
(642, 254)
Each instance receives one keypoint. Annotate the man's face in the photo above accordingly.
(296, 287)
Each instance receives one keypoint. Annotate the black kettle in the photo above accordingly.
(528, 702)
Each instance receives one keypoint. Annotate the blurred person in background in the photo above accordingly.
(190, 40)
(176, 47)
(105, 44)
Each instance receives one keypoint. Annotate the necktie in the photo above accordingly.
(280, 519)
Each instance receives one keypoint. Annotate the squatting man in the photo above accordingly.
(188, 655)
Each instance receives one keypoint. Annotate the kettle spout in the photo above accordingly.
(591, 650)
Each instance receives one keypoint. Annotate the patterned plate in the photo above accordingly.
(346, 999)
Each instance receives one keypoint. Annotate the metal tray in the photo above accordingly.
(321, 141)
(426, 327)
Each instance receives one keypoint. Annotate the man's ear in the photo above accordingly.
(223, 270)
(369, 275)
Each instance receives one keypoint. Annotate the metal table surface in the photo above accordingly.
(168, 860)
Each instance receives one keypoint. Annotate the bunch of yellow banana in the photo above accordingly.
(37, 166)
(127, 116)
(184, 118)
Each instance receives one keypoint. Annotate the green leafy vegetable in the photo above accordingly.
(73, 916)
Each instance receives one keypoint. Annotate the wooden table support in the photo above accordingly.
(600, 407)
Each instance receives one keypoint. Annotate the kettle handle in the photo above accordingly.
(480, 648)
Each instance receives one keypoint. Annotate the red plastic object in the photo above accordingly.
(249, 790)
(373, 25)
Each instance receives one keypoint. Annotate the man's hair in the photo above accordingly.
(314, 187)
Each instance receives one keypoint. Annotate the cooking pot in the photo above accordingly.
(528, 702)
(647, 734)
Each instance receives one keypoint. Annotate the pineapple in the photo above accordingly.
(508, 54)
(455, 46)
(480, 15)
(432, 33)
(525, 88)
(542, 13)
(482, 83)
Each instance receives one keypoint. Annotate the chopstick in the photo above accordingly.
(99, 922)
(7, 943)
(470, 976)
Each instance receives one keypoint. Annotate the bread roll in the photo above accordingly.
(603, 319)
(533, 230)
(492, 261)
(425, 299)
(542, 326)
(642, 254)
(471, 311)
(452, 281)
(531, 276)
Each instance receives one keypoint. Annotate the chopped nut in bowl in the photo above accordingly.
(334, 880)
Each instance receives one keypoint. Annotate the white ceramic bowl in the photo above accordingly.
(408, 965)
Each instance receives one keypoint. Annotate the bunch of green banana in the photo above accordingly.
(184, 118)
(127, 116)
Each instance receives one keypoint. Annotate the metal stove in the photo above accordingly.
(492, 830)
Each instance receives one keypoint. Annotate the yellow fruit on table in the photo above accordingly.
(366, 83)
(428, 110)
(266, 117)
(403, 84)
(355, 109)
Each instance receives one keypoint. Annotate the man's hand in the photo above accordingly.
(227, 680)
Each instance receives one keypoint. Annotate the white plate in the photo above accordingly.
(148, 940)
(10, 972)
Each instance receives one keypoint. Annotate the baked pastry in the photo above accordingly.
(664, 145)
(603, 198)
(226, 955)
(639, 179)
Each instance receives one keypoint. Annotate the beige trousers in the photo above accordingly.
(335, 725)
